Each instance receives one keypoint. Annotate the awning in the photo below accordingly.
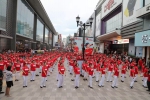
(110, 35)
(4, 36)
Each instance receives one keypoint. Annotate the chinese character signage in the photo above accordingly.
(109, 5)
(142, 38)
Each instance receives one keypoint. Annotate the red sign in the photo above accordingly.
(108, 5)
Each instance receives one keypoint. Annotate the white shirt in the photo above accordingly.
(9, 76)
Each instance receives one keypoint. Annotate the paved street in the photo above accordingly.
(51, 92)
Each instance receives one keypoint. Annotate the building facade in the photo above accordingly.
(142, 37)
(123, 25)
(24, 24)
(108, 27)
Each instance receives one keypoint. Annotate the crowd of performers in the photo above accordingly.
(107, 68)
(25, 64)
(99, 67)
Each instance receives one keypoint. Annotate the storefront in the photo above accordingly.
(142, 38)
(142, 43)
(111, 23)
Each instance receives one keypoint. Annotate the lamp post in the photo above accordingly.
(71, 40)
(83, 25)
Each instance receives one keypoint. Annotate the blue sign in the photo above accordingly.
(142, 38)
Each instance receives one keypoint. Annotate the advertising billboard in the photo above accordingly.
(78, 41)
(129, 10)
(109, 5)
(98, 24)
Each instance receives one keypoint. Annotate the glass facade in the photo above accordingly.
(25, 19)
(113, 23)
(39, 31)
(46, 35)
(3, 7)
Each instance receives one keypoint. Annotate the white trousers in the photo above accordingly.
(101, 83)
(21, 65)
(94, 73)
(145, 81)
(132, 81)
(40, 69)
(48, 72)
(28, 65)
(123, 76)
(60, 80)
(90, 80)
(80, 64)
(115, 81)
(120, 66)
(25, 79)
(17, 75)
(43, 82)
(71, 69)
(136, 75)
(37, 71)
(83, 72)
(77, 79)
(109, 76)
(32, 75)
(97, 75)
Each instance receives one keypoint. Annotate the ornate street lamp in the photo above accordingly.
(79, 23)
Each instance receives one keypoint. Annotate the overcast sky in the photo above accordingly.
(62, 13)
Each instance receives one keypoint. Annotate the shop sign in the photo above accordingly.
(121, 41)
(145, 38)
(109, 5)
(142, 38)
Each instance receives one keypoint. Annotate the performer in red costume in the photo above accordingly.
(75, 48)
(88, 50)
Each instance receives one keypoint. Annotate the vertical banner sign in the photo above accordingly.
(98, 22)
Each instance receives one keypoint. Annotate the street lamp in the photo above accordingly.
(71, 40)
(83, 25)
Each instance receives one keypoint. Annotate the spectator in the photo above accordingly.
(1, 81)
(148, 62)
(9, 81)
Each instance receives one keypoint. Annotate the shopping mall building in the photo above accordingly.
(25, 24)
(123, 26)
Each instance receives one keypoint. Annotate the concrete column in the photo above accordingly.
(52, 40)
(148, 54)
(12, 21)
(43, 37)
(143, 52)
(34, 32)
